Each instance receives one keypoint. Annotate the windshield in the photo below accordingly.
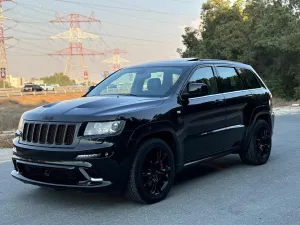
(148, 82)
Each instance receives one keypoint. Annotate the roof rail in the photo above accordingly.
(191, 59)
(220, 60)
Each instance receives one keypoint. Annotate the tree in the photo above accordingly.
(58, 78)
(262, 33)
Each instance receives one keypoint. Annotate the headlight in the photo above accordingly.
(104, 128)
(21, 123)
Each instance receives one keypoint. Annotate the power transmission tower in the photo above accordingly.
(75, 37)
(3, 57)
(116, 60)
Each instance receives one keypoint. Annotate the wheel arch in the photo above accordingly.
(160, 130)
(263, 113)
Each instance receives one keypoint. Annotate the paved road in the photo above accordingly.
(225, 192)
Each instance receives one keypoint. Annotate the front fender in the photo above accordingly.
(157, 129)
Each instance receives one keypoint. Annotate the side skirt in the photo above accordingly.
(210, 158)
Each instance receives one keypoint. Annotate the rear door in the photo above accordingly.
(238, 104)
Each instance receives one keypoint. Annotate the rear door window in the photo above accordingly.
(229, 80)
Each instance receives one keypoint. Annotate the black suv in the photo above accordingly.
(32, 87)
(163, 117)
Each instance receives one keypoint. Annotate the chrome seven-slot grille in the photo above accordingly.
(47, 133)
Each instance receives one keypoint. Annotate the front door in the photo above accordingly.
(204, 118)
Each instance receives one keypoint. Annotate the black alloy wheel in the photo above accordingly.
(263, 143)
(152, 172)
(156, 171)
(260, 146)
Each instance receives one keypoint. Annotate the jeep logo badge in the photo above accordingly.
(48, 118)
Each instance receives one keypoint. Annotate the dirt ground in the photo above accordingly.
(11, 110)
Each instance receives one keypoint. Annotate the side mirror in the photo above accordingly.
(91, 88)
(197, 89)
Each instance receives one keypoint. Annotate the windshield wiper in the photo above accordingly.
(128, 94)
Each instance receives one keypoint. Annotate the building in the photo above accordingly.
(16, 82)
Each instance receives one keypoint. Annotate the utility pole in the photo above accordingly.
(116, 60)
(3, 57)
(75, 37)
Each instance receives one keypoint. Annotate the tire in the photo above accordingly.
(138, 189)
(260, 146)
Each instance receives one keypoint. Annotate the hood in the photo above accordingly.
(87, 108)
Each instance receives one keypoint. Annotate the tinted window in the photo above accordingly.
(205, 75)
(175, 78)
(249, 78)
(229, 80)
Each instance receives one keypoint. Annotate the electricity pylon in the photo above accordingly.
(75, 37)
(3, 57)
(116, 60)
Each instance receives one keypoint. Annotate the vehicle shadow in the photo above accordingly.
(38, 195)
(201, 170)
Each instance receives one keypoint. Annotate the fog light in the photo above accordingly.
(89, 156)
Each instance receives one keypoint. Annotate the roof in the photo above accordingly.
(189, 61)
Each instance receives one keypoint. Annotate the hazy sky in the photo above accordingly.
(148, 30)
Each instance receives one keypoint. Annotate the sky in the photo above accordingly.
(148, 30)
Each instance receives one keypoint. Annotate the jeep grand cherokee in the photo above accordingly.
(164, 117)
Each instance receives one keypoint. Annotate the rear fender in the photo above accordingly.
(257, 112)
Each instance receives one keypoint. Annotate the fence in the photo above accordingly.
(16, 92)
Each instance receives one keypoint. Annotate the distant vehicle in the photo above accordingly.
(32, 87)
(47, 87)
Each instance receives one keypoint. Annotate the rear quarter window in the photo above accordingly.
(249, 78)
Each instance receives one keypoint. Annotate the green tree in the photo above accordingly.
(262, 33)
(58, 78)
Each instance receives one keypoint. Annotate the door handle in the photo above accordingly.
(219, 100)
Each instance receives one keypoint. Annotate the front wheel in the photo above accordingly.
(260, 146)
(152, 172)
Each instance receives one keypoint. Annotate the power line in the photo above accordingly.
(95, 7)
(123, 8)
(136, 28)
(105, 34)
(27, 49)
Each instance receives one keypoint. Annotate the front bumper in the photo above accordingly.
(105, 168)
(72, 175)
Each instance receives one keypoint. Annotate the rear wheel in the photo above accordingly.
(260, 146)
(152, 172)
